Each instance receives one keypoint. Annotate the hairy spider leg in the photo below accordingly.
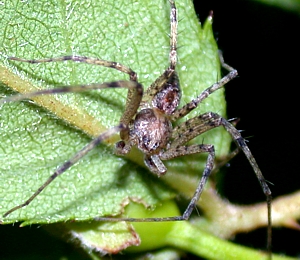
(195, 127)
(138, 90)
(161, 81)
(131, 100)
(95, 61)
(96, 141)
(187, 131)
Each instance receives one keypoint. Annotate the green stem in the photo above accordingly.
(187, 237)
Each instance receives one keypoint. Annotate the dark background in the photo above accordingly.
(261, 42)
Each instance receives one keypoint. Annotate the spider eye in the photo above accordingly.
(148, 145)
(155, 145)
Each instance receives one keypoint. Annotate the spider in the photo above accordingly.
(147, 123)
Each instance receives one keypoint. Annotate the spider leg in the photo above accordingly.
(159, 83)
(223, 64)
(190, 129)
(184, 150)
(239, 140)
(95, 61)
(69, 164)
(198, 125)
(203, 123)
(133, 100)
(135, 86)
(155, 165)
(193, 149)
(131, 95)
(195, 102)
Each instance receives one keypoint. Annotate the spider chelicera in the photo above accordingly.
(147, 124)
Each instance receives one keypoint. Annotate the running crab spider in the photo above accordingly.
(155, 110)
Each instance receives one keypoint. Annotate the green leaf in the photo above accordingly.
(35, 142)
(35, 139)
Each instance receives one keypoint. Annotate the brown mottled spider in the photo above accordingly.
(147, 124)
